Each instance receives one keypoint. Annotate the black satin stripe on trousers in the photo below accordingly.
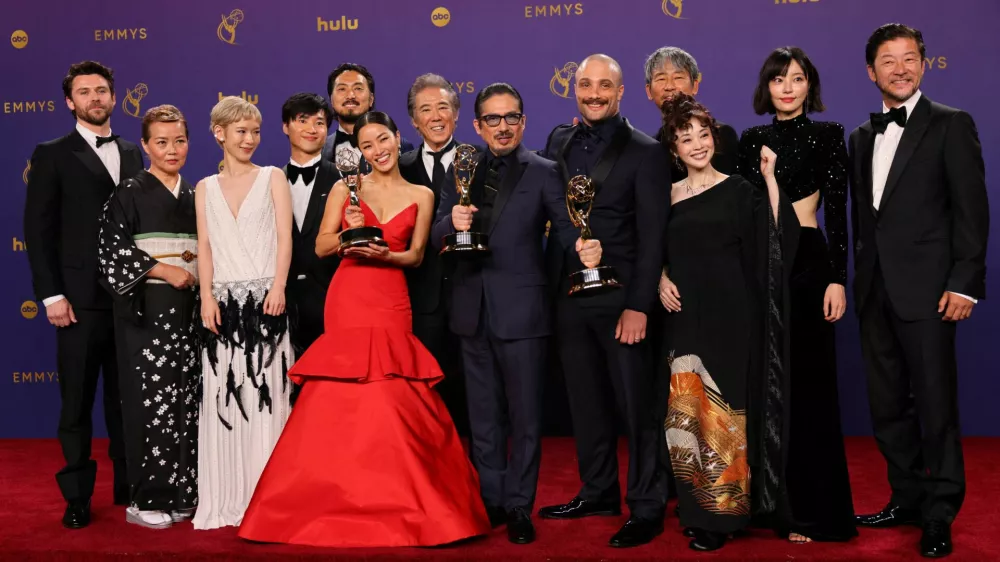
(913, 395)
(817, 485)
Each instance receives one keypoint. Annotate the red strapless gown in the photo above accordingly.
(370, 455)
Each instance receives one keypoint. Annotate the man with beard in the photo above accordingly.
(670, 70)
(71, 179)
(921, 219)
(602, 338)
(514, 193)
(433, 106)
(352, 94)
(305, 119)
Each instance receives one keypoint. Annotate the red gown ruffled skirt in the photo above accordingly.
(370, 455)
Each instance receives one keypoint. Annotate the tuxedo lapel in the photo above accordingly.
(295, 224)
(510, 181)
(91, 160)
(867, 146)
(325, 178)
(417, 165)
(129, 159)
(914, 130)
(561, 154)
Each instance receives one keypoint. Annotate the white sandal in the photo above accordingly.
(148, 519)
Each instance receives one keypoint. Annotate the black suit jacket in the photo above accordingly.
(67, 188)
(304, 258)
(929, 234)
(725, 160)
(629, 217)
(512, 278)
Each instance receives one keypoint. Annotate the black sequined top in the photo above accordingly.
(812, 157)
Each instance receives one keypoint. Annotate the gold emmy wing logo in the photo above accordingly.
(227, 29)
(29, 309)
(130, 104)
(440, 16)
(24, 174)
(672, 8)
(559, 85)
(19, 39)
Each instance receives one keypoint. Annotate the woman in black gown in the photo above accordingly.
(147, 257)
(725, 241)
(808, 497)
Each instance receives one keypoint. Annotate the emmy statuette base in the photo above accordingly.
(593, 281)
(465, 244)
(360, 237)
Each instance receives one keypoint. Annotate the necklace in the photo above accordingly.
(699, 188)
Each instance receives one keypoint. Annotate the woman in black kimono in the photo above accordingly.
(809, 493)
(147, 257)
(722, 288)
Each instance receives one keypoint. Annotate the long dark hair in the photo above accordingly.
(777, 64)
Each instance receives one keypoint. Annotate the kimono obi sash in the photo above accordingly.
(178, 249)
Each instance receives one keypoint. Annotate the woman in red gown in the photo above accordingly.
(369, 456)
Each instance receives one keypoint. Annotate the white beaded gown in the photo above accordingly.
(245, 399)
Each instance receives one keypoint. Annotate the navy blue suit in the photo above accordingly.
(501, 311)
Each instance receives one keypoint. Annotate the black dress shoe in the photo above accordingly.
(497, 515)
(636, 532)
(519, 527)
(689, 532)
(705, 541)
(936, 540)
(577, 508)
(890, 516)
(77, 515)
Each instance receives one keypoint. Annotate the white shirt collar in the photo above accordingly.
(311, 162)
(88, 135)
(427, 149)
(908, 104)
(177, 188)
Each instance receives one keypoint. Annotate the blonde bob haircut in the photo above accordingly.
(232, 109)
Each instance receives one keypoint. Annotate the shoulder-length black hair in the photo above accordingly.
(777, 64)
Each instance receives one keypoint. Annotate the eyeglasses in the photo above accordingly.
(493, 119)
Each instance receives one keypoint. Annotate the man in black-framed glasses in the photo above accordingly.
(514, 192)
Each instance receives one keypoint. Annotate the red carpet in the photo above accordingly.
(31, 508)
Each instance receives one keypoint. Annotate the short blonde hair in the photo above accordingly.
(162, 114)
(233, 109)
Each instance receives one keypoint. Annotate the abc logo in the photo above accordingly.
(19, 39)
(440, 17)
(29, 309)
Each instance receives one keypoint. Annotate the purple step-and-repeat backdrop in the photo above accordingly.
(190, 53)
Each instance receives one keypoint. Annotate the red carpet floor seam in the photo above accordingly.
(31, 508)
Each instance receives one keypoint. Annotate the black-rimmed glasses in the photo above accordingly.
(493, 119)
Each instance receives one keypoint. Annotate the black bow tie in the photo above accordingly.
(895, 115)
(105, 140)
(440, 154)
(343, 137)
(307, 173)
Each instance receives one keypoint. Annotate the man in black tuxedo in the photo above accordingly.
(433, 106)
(602, 339)
(670, 70)
(501, 304)
(352, 94)
(71, 179)
(305, 119)
(920, 219)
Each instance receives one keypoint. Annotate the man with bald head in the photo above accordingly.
(670, 70)
(602, 338)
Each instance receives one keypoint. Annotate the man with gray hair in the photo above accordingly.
(670, 70)
(433, 106)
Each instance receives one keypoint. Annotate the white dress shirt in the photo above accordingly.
(885, 150)
(112, 160)
(427, 155)
(302, 191)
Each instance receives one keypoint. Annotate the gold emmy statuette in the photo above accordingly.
(466, 244)
(579, 202)
(348, 162)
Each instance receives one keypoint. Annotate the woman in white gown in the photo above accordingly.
(245, 246)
